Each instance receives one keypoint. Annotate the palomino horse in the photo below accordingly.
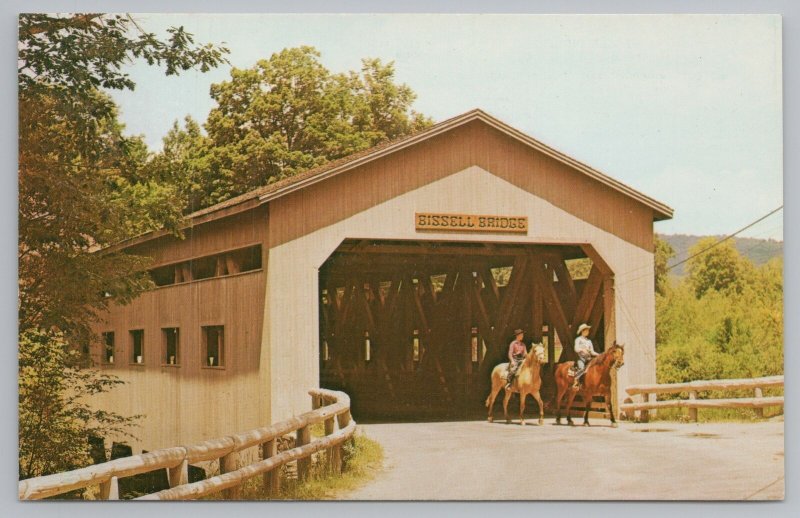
(597, 380)
(527, 381)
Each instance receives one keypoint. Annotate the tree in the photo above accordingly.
(285, 115)
(717, 267)
(663, 253)
(55, 418)
(82, 185)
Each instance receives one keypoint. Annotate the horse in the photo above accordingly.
(527, 381)
(596, 380)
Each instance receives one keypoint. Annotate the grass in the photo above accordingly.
(718, 415)
(361, 459)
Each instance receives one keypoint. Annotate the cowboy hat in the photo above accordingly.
(582, 327)
(518, 331)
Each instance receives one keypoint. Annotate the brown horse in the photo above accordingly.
(597, 380)
(527, 381)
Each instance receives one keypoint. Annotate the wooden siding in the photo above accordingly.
(237, 231)
(322, 204)
(189, 402)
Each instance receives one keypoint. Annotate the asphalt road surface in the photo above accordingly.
(474, 460)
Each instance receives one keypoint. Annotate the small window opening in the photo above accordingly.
(415, 345)
(325, 352)
(163, 276)
(474, 345)
(214, 345)
(171, 337)
(108, 346)
(137, 346)
(367, 347)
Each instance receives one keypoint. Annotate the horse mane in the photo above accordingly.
(602, 356)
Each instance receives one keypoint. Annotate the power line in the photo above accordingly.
(636, 270)
(760, 235)
(730, 236)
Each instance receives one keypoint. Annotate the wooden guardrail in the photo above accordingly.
(757, 402)
(329, 407)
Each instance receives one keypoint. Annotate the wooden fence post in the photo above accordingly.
(644, 415)
(272, 478)
(692, 411)
(759, 410)
(178, 475)
(304, 464)
(335, 452)
(110, 490)
(228, 463)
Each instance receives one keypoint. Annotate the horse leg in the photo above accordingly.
(572, 394)
(522, 396)
(538, 398)
(506, 398)
(490, 401)
(587, 402)
(559, 397)
(611, 410)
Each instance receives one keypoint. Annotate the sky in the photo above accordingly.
(686, 109)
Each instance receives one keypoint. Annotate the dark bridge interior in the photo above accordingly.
(412, 329)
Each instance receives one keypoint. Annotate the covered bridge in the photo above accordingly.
(396, 274)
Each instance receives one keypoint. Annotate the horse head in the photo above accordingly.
(617, 352)
(537, 353)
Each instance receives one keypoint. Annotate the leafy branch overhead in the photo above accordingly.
(284, 115)
(85, 52)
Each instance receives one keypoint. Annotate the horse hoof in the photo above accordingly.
(522, 423)
(614, 425)
(558, 421)
(570, 423)
(541, 422)
(586, 424)
(490, 419)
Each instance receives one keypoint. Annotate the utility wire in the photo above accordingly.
(730, 236)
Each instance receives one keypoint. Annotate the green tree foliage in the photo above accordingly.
(82, 185)
(54, 416)
(724, 321)
(285, 115)
(720, 268)
(664, 252)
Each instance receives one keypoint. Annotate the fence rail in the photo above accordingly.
(329, 407)
(757, 402)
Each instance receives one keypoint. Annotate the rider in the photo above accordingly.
(516, 353)
(585, 351)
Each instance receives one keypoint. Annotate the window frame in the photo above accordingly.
(132, 358)
(222, 362)
(165, 346)
(105, 348)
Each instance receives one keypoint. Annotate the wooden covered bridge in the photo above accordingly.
(394, 274)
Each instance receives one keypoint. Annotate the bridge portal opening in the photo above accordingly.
(412, 329)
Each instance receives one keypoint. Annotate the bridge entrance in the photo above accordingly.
(412, 329)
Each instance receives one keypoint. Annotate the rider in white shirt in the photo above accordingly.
(585, 351)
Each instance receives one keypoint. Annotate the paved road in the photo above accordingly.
(657, 461)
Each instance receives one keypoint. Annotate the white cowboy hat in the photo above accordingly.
(582, 327)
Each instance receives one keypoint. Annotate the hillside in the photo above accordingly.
(757, 250)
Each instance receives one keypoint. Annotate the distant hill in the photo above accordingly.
(757, 250)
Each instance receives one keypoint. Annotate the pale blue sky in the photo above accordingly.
(686, 109)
